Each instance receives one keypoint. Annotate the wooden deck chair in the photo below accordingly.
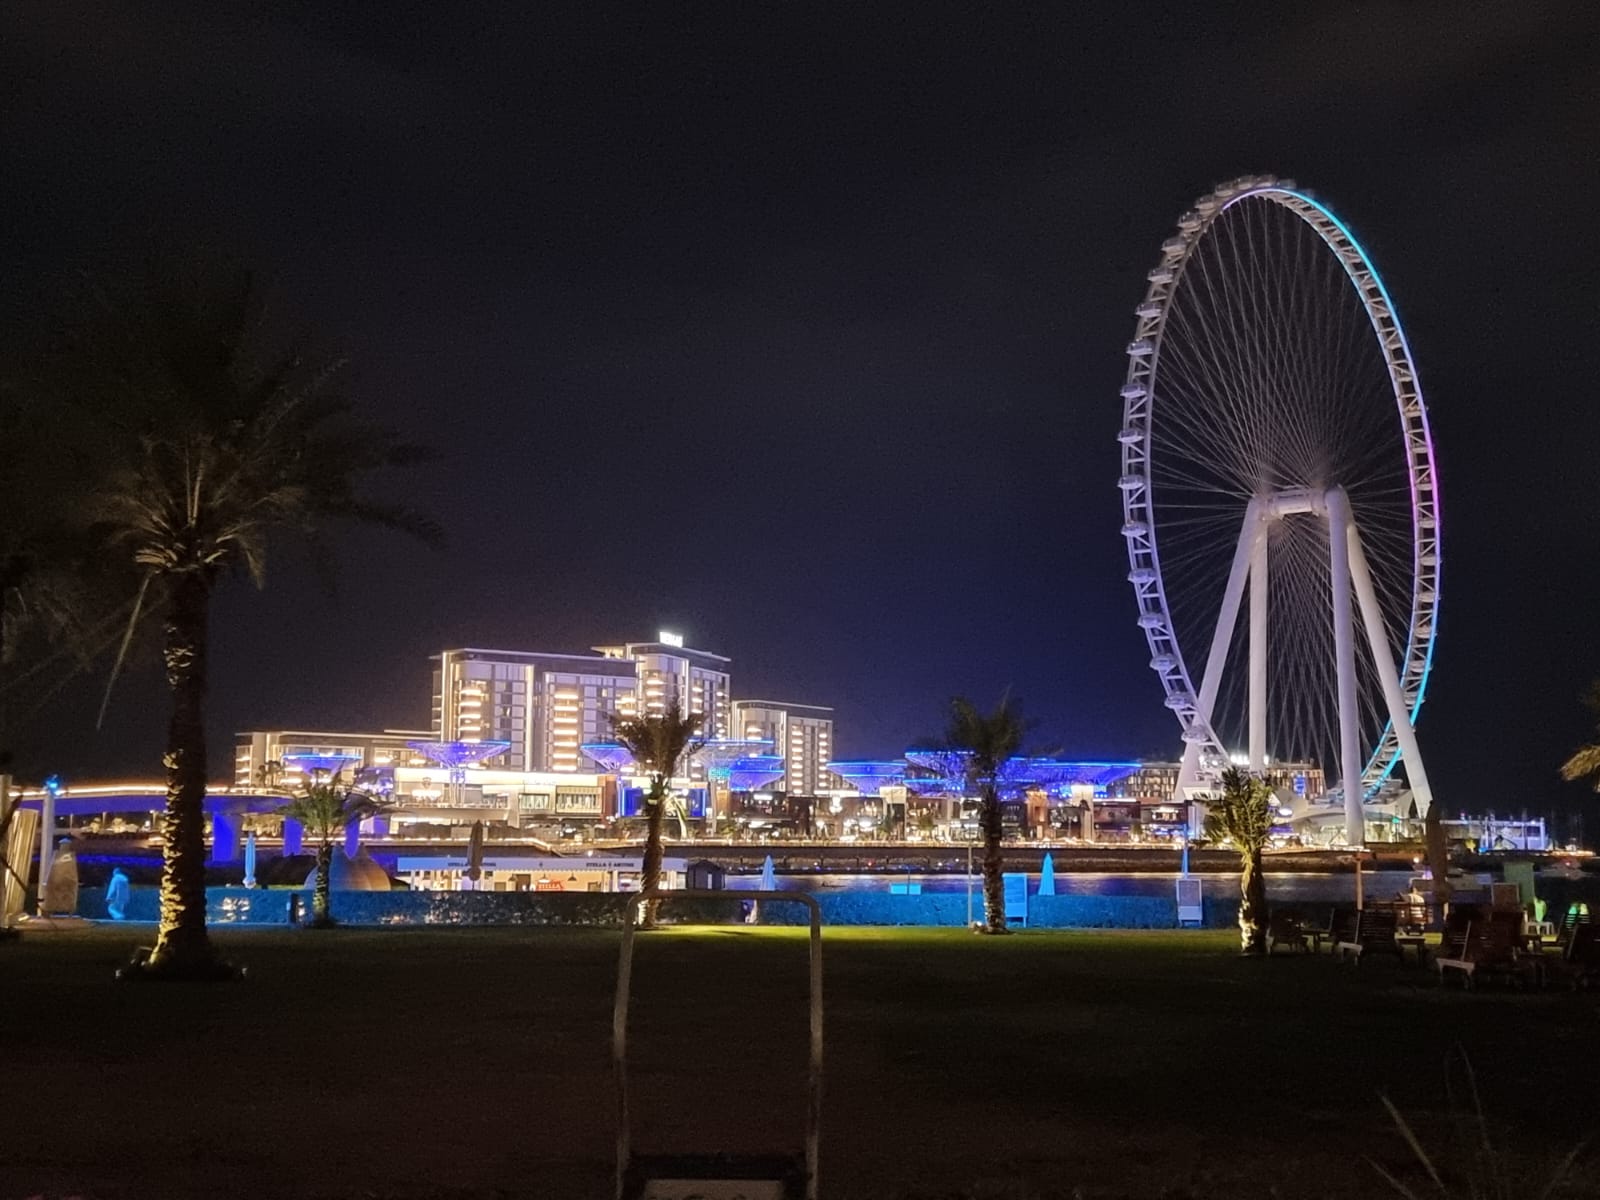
(1286, 928)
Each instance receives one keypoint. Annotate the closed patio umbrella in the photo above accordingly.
(1047, 875)
(769, 880)
(250, 860)
(474, 869)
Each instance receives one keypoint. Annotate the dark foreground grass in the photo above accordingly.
(474, 1063)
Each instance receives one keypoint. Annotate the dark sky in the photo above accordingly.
(800, 328)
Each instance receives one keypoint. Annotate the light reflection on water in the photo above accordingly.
(1300, 885)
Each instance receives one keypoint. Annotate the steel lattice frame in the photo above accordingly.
(1139, 394)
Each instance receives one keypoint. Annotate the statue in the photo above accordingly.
(117, 893)
(60, 894)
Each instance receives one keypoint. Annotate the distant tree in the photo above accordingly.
(988, 741)
(1585, 761)
(1242, 814)
(661, 745)
(268, 774)
(221, 444)
(327, 810)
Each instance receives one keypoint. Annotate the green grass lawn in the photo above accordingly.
(475, 1063)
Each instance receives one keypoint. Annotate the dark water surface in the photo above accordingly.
(1304, 886)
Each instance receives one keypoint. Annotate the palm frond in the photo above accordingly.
(222, 443)
(661, 743)
(122, 650)
(326, 809)
(1585, 764)
(1242, 812)
(989, 739)
(159, 430)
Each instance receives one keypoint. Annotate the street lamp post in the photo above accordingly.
(969, 883)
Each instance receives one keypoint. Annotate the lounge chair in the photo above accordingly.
(1286, 928)
(1576, 916)
(1374, 934)
(1578, 964)
(1341, 927)
(1490, 951)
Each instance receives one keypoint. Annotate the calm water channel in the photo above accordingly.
(1302, 886)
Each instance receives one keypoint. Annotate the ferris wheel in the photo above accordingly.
(1275, 448)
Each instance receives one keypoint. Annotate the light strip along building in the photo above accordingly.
(801, 733)
(545, 705)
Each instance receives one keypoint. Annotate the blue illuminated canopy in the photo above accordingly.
(754, 771)
(742, 764)
(458, 756)
(612, 756)
(314, 764)
(944, 773)
(718, 753)
(869, 776)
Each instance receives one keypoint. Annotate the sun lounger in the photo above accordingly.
(1341, 927)
(1578, 963)
(1285, 928)
(1374, 934)
(1490, 951)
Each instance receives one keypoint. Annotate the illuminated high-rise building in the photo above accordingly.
(671, 673)
(544, 705)
(801, 733)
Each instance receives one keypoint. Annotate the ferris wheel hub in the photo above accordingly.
(1290, 501)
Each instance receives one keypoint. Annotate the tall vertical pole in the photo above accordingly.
(1258, 647)
(47, 839)
(1344, 657)
(969, 885)
(1388, 679)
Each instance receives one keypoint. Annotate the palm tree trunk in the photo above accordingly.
(994, 896)
(653, 854)
(321, 910)
(182, 948)
(1252, 904)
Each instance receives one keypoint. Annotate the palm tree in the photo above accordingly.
(268, 774)
(988, 741)
(219, 447)
(327, 810)
(661, 744)
(1585, 761)
(1243, 815)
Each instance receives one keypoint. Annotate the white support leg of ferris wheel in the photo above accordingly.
(1344, 656)
(1258, 648)
(1253, 530)
(1383, 657)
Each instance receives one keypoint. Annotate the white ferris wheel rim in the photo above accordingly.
(1138, 510)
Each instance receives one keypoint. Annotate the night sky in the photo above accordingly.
(799, 328)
